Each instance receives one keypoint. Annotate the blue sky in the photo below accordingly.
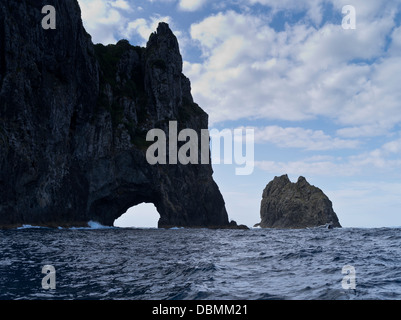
(325, 102)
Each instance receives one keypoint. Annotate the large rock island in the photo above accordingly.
(74, 119)
(298, 205)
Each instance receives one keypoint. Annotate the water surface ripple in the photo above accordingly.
(147, 264)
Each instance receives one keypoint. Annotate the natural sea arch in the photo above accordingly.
(144, 215)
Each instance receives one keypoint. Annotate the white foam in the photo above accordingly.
(28, 226)
(92, 225)
(97, 225)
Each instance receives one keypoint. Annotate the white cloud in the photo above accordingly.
(383, 160)
(365, 9)
(367, 203)
(395, 47)
(121, 4)
(387, 157)
(185, 5)
(103, 19)
(144, 27)
(191, 5)
(308, 167)
(372, 130)
(313, 8)
(252, 71)
(163, 1)
(231, 84)
(301, 138)
(109, 21)
(392, 147)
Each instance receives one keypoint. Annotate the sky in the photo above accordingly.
(324, 101)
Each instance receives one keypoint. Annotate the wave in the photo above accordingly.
(92, 225)
(136, 228)
(202, 264)
(28, 226)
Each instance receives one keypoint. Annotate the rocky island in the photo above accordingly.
(288, 205)
(73, 124)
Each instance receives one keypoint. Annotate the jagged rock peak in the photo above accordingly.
(165, 45)
(163, 33)
(164, 29)
(302, 180)
(295, 205)
(283, 178)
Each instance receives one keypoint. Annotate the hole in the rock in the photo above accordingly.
(143, 215)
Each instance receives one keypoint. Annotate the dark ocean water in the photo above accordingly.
(200, 264)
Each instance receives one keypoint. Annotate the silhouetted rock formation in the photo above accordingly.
(295, 205)
(73, 124)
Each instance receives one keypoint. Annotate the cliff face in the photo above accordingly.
(295, 205)
(73, 124)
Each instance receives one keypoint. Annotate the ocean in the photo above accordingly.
(200, 264)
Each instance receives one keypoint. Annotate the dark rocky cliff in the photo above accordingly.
(298, 205)
(73, 122)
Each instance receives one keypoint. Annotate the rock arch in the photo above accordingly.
(73, 124)
(144, 215)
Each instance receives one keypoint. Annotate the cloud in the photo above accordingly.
(121, 4)
(371, 130)
(367, 203)
(191, 5)
(144, 27)
(307, 139)
(313, 8)
(185, 5)
(251, 71)
(103, 19)
(387, 157)
(380, 161)
(231, 85)
(163, 1)
(308, 167)
(111, 20)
